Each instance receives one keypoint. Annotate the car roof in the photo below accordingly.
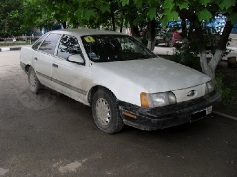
(85, 32)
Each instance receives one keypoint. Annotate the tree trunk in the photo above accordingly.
(221, 46)
(113, 21)
(211, 67)
(135, 32)
(112, 16)
(121, 25)
(207, 68)
(184, 29)
(202, 50)
(151, 35)
(64, 25)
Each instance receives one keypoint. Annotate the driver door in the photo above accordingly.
(68, 76)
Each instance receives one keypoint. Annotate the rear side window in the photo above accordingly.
(68, 46)
(37, 43)
(49, 44)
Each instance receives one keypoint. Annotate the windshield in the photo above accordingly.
(107, 48)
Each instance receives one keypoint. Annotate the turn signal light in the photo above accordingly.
(129, 115)
(144, 100)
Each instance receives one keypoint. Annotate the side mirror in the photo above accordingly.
(76, 59)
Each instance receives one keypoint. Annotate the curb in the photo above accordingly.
(225, 115)
(4, 49)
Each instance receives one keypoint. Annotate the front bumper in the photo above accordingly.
(168, 116)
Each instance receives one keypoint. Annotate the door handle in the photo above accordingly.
(54, 65)
(35, 58)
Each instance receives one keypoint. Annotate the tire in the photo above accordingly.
(105, 112)
(170, 43)
(33, 81)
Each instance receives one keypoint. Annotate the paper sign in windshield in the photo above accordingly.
(89, 39)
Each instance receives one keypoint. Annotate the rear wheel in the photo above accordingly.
(170, 43)
(105, 112)
(34, 83)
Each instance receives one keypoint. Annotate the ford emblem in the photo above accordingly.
(191, 93)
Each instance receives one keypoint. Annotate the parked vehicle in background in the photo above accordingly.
(169, 37)
(172, 34)
(119, 78)
(217, 23)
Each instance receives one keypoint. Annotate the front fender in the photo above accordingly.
(127, 92)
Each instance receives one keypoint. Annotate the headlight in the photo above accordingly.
(209, 87)
(157, 99)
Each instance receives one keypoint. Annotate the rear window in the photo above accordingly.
(37, 43)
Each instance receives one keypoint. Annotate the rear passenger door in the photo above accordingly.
(68, 76)
(44, 57)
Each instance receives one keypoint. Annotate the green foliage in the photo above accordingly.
(205, 9)
(15, 43)
(205, 2)
(182, 5)
(226, 4)
(119, 13)
(224, 90)
(126, 2)
(204, 15)
(168, 4)
(138, 3)
(187, 55)
(226, 96)
(11, 20)
(233, 17)
(94, 13)
(151, 13)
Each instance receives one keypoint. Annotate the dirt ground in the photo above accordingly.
(47, 135)
(228, 82)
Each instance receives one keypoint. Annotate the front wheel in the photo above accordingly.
(170, 43)
(34, 82)
(105, 112)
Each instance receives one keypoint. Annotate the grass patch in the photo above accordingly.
(14, 43)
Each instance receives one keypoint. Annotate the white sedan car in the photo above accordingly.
(120, 79)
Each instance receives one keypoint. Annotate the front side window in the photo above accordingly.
(107, 48)
(49, 44)
(68, 46)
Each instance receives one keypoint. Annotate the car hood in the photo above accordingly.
(154, 75)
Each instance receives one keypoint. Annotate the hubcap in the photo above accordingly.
(103, 111)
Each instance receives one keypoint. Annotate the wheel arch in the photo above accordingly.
(94, 89)
(27, 67)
